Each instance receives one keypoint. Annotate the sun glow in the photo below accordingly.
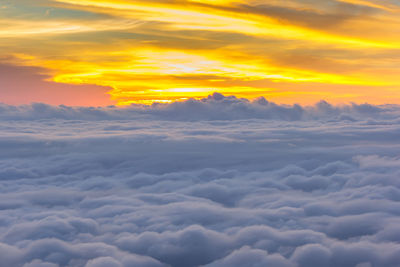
(164, 51)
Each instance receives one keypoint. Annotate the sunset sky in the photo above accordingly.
(103, 52)
(199, 133)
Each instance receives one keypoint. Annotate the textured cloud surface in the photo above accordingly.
(216, 182)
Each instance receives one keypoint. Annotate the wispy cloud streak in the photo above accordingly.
(290, 51)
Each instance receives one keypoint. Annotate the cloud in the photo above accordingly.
(291, 51)
(23, 85)
(214, 107)
(307, 16)
(220, 181)
(252, 258)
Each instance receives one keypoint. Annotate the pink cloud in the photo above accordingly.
(24, 85)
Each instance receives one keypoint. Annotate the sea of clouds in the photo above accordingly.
(220, 181)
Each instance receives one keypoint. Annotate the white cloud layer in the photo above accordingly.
(215, 182)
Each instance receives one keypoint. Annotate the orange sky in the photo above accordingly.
(101, 52)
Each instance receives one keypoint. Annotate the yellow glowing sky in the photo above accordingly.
(158, 50)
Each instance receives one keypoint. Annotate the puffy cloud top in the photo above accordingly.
(220, 181)
(214, 107)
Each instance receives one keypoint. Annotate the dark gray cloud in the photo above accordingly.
(312, 14)
(215, 182)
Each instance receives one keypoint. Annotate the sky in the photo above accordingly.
(194, 133)
(103, 52)
(215, 182)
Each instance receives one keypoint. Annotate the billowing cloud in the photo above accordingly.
(221, 181)
(214, 107)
